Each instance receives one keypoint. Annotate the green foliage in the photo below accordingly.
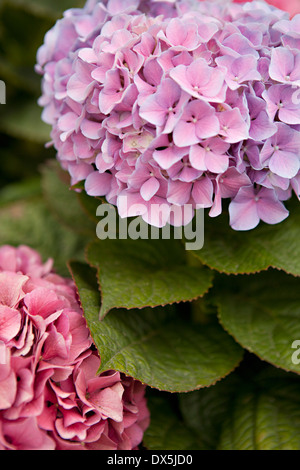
(264, 417)
(157, 347)
(262, 312)
(141, 273)
(255, 408)
(25, 219)
(168, 431)
(248, 252)
(218, 323)
(23, 24)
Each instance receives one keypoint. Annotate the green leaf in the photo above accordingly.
(262, 312)
(145, 273)
(167, 430)
(263, 420)
(19, 191)
(156, 346)
(266, 246)
(25, 123)
(249, 410)
(46, 8)
(25, 219)
(64, 202)
(204, 411)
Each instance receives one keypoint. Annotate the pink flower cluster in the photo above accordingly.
(168, 105)
(291, 6)
(50, 394)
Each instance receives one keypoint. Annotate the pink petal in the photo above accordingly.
(285, 164)
(131, 204)
(10, 322)
(169, 156)
(98, 184)
(43, 302)
(217, 163)
(25, 434)
(11, 288)
(282, 64)
(150, 188)
(179, 192)
(157, 212)
(181, 215)
(243, 210)
(269, 208)
(8, 390)
(197, 157)
(109, 402)
(91, 129)
(202, 192)
(233, 126)
(185, 134)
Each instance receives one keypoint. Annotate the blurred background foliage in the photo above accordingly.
(31, 213)
(25, 215)
(23, 24)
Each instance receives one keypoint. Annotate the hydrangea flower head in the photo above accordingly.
(161, 102)
(51, 396)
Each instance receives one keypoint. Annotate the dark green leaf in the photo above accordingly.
(167, 430)
(249, 410)
(205, 411)
(262, 312)
(262, 420)
(266, 246)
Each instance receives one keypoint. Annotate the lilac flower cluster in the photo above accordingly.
(177, 103)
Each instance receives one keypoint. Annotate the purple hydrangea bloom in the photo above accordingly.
(173, 103)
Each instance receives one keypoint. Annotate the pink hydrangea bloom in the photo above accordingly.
(51, 396)
(291, 6)
(156, 103)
